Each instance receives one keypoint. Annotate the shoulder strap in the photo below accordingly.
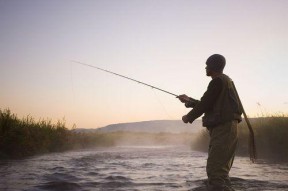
(252, 145)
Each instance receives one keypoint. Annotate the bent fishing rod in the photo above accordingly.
(84, 64)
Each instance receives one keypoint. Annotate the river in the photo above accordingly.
(133, 168)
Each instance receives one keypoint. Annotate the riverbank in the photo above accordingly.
(26, 137)
(270, 134)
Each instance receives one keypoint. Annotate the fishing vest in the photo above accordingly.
(226, 107)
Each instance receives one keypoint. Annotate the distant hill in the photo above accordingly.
(166, 126)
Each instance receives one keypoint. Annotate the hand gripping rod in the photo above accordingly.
(124, 77)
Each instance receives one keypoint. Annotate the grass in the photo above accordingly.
(26, 137)
(271, 135)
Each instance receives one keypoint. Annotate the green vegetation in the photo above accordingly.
(26, 137)
(271, 134)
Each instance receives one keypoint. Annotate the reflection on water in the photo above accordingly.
(133, 168)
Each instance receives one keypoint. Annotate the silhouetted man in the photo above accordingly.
(222, 114)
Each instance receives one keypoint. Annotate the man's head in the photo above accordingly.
(215, 64)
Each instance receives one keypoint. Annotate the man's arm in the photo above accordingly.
(189, 102)
(207, 101)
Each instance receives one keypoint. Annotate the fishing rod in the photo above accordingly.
(124, 77)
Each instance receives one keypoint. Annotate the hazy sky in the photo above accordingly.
(161, 42)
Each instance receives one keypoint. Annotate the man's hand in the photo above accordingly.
(183, 98)
(185, 119)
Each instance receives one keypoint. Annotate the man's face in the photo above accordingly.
(208, 72)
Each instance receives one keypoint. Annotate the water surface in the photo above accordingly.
(133, 168)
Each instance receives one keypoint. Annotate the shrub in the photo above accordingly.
(270, 134)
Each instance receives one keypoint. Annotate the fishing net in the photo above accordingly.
(252, 144)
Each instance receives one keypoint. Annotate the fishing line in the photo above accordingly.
(120, 75)
(72, 81)
(139, 82)
(73, 112)
(162, 105)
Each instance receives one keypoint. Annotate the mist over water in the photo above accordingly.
(133, 168)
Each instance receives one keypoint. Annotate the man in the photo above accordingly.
(222, 114)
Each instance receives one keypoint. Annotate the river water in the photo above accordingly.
(133, 168)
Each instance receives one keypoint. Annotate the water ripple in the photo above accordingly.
(133, 169)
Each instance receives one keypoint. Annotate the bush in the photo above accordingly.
(270, 134)
(26, 137)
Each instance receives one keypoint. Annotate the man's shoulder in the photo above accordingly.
(216, 82)
(222, 78)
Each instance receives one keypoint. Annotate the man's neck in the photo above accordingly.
(216, 74)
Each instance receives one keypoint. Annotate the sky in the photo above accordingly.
(164, 43)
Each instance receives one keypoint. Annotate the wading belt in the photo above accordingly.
(252, 145)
